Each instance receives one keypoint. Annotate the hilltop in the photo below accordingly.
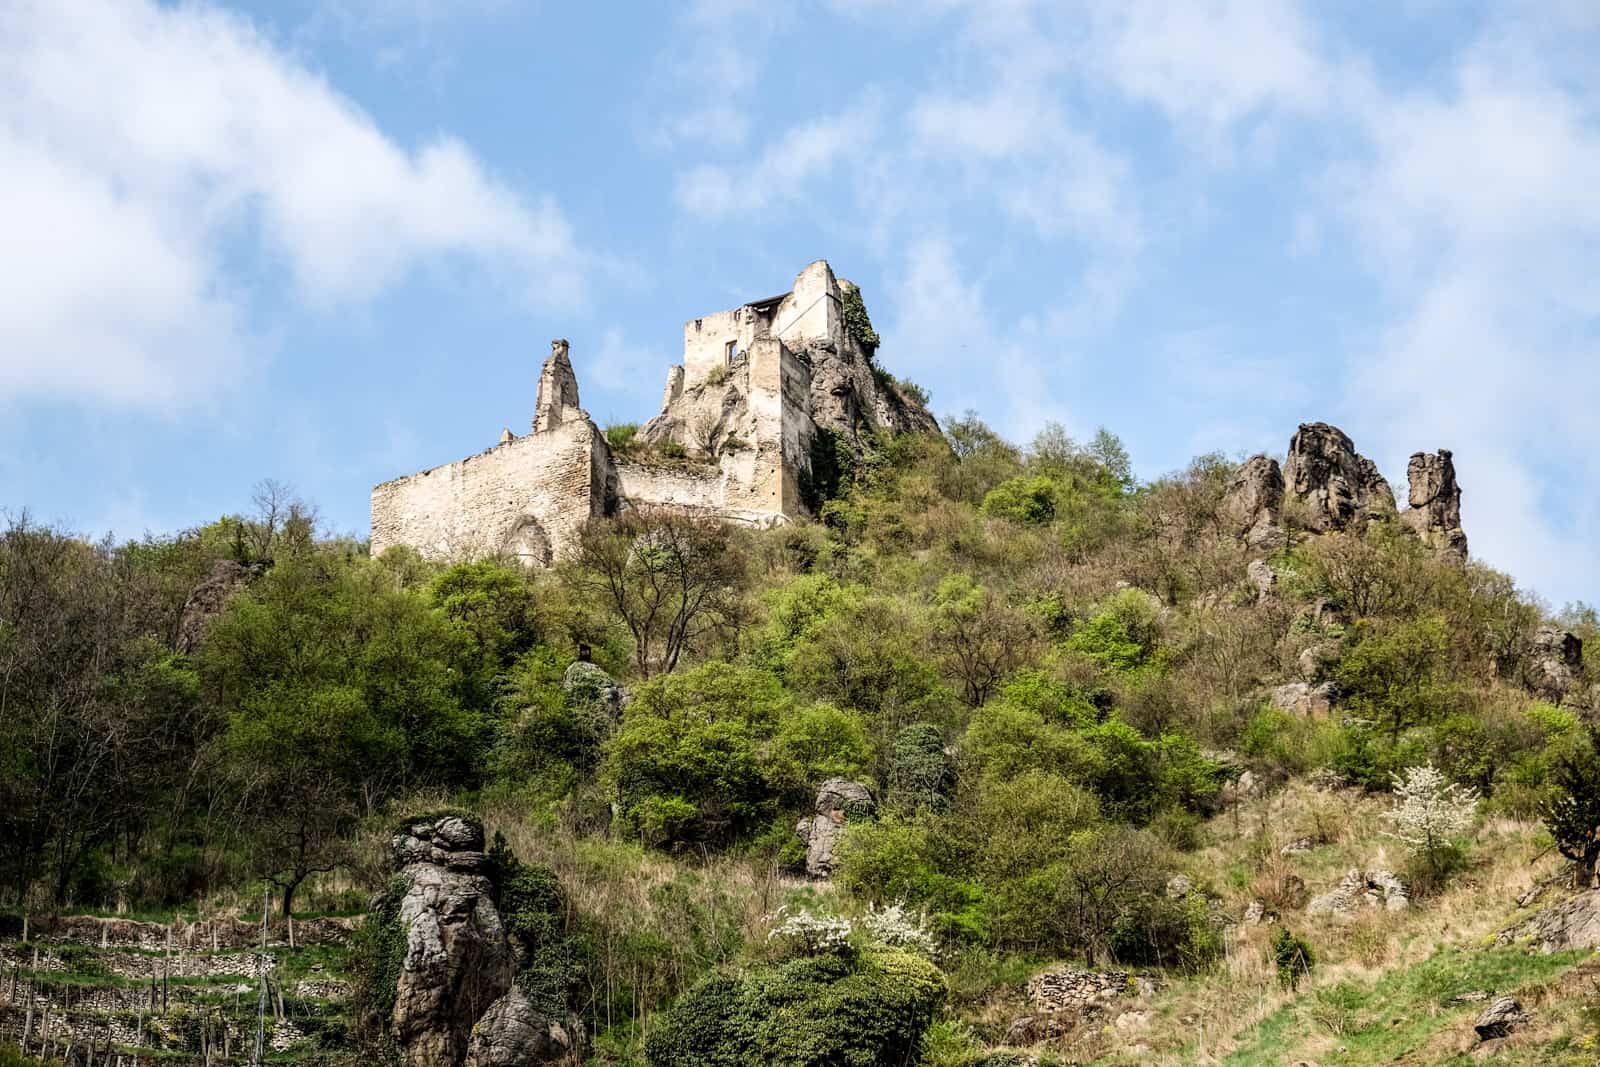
(995, 755)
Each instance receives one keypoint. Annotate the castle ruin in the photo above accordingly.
(734, 439)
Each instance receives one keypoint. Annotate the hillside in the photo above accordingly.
(1006, 758)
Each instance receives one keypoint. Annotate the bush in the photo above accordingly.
(1030, 500)
(621, 436)
(872, 1008)
(1292, 957)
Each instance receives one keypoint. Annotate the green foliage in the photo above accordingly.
(832, 467)
(1123, 634)
(872, 1008)
(686, 764)
(1397, 675)
(818, 742)
(1023, 499)
(919, 770)
(1292, 957)
(1571, 809)
(856, 321)
(622, 436)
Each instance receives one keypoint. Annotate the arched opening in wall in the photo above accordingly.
(528, 542)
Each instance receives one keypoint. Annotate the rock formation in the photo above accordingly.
(585, 681)
(557, 400)
(1554, 665)
(1335, 487)
(515, 1033)
(455, 1000)
(1304, 699)
(1361, 889)
(1251, 503)
(1500, 1018)
(1571, 924)
(838, 800)
(1435, 499)
(207, 601)
(458, 959)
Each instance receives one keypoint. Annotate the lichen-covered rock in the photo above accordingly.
(1251, 502)
(838, 800)
(207, 600)
(458, 959)
(1304, 699)
(1359, 889)
(515, 1033)
(1336, 487)
(1500, 1018)
(1315, 660)
(588, 682)
(1572, 924)
(1263, 579)
(1554, 666)
(1435, 499)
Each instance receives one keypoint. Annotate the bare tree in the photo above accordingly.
(671, 577)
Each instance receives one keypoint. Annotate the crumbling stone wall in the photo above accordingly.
(529, 497)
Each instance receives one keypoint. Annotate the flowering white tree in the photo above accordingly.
(1430, 811)
(808, 932)
(894, 926)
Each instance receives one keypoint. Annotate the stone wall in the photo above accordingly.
(529, 497)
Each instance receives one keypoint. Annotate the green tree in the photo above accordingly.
(1571, 810)
(1398, 674)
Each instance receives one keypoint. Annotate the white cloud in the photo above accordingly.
(1477, 212)
(804, 153)
(195, 139)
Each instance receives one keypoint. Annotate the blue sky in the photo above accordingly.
(329, 243)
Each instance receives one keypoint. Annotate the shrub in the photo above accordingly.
(621, 436)
(1030, 500)
(1291, 956)
(829, 1009)
(919, 772)
(1430, 814)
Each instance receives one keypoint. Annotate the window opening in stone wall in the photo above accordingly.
(733, 351)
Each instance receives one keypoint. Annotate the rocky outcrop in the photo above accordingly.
(1361, 889)
(515, 1033)
(1262, 578)
(1500, 1018)
(1304, 699)
(458, 958)
(1572, 924)
(838, 801)
(1251, 503)
(207, 601)
(1554, 665)
(588, 682)
(1334, 486)
(1435, 499)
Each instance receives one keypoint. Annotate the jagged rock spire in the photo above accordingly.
(558, 390)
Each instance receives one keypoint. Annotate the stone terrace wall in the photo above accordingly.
(528, 496)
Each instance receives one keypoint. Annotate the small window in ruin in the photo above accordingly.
(733, 352)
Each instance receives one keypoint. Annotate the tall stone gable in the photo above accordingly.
(733, 438)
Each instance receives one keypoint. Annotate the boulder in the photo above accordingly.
(1572, 924)
(838, 800)
(207, 600)
(1435, 499)
(1262, 578)
(1554, 666)
(1361, 889)
(1315, 660)
(1304, 699)
(458, 958)
(1500, 1018)
(1251, 502)
(1336, 487)
(585, 681)
(515, 1033)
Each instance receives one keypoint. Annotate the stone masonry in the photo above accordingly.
(739, 419)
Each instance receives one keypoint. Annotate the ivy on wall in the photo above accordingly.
(857, 322)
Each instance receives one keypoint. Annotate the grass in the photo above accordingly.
(1356, 1023)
